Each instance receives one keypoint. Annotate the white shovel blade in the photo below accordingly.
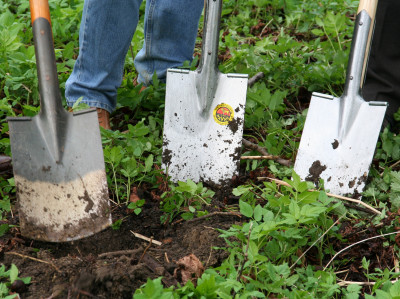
(342, 164)
(203, 146)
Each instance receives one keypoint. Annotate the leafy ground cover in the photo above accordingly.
(269, 235)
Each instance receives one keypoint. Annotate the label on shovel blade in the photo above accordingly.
(223, 114)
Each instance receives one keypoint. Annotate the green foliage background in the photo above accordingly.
(300, 46)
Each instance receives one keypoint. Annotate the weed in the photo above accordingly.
(8, 280)
(187, 200)
(300, 46)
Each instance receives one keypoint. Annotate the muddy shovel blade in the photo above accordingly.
(204, 112)
(343, 163)
(203, 146)
(340, 134)
(60, 199)
(57, 156)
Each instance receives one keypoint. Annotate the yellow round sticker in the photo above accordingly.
(223, 114)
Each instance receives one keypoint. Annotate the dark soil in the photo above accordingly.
(114, 263)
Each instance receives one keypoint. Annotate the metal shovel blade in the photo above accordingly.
(340, 134)
(64, 198)
(203, 146)
(204, 112)
(57, 156)
(343, 165)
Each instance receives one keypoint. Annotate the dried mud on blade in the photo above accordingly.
(340, 134)
(57, 156)
(204, 112)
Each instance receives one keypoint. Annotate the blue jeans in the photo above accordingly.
(106, 31)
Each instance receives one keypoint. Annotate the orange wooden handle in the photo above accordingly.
(39, 9)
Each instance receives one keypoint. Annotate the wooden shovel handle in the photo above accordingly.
(39, 9)
(369, 6)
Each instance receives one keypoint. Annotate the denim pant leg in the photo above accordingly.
(105, 34)
(170, 36)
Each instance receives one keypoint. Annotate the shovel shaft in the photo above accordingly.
(357, 58)
(50, 102)
(351, 100)
(39, 9)
(212, 19)
(52, 114)
(360, 46)
(207, 81)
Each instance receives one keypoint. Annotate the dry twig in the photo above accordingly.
(359, 242)
(316, 241)
(344, 283)
(263, 152)
(146, 238)
(120, 252)
(214, 214)
(145, 250)
(270, 157)
(257, 77)
(280, 182)
(34, 259)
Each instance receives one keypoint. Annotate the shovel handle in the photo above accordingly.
(50, 96)
(39, 9)
(370, 7)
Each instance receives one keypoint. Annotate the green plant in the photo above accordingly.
(8, 278)
(300, 46)
(136, 206)
(187, 199)
(130, 156)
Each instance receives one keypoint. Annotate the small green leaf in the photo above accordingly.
(245, 208)
(4, 229)
(187, 216)
(13, 273)
(395, 290)
(258, 213)
(148, 164)
(117, 224)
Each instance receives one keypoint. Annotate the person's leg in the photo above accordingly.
(170, 36)
(105, 34)
(383, 74)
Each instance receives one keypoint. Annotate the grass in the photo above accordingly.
(301, 47)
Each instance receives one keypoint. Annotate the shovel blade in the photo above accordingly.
(341, 160)
(203, 144)
(64, 198)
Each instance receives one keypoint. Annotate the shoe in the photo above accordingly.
(104, 118)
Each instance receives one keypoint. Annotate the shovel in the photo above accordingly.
(58, 159)
(204, 112)
(340, 134)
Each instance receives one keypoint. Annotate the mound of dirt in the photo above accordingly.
(114, 263)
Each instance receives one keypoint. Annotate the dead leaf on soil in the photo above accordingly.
(189, 268)
(155, 196)
(134, 197)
